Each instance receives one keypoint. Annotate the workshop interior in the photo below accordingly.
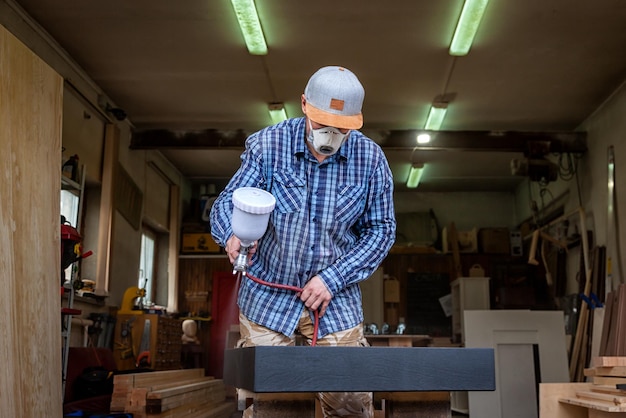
(503, 126)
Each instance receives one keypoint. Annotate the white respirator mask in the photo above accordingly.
(326, 140)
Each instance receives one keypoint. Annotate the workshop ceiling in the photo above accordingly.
(182, 66)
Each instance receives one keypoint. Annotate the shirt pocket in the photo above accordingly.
(350, 202)
(289, 191)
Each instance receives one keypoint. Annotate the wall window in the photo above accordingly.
(147, 263)
(69, 210)
(69, 207)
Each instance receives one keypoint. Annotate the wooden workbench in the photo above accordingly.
(398, 340)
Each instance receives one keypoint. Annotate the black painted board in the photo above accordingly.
(359, 369)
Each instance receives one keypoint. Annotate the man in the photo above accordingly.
(332, 226)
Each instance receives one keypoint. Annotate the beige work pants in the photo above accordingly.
(334, 404)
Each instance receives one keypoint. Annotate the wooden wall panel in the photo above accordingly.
(31, 95)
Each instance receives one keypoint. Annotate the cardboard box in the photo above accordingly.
(494, 240)
(477, 271)
(198, 243)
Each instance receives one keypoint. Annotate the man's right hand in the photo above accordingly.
(233, 245)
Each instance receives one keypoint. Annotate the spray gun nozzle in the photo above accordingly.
(241, 262)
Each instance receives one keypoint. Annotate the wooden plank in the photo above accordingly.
(130, 390)
(136, 400)
(162, 377)
(549, 405)
(173, 249)
(31, 99)
(207, 394)
(617, 371)
(608, 381)
(609, 361)
(178, 383)
(608, 389)
(611, 345)
(620, 326)
(606, 326)
(198, 410)
(609, 398)
(359, 369)
(591, 404)
(105, 225)
(594, 413)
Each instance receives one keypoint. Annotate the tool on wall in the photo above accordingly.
(128, 302)
(125, 345)
(143, 356)
(533, 251)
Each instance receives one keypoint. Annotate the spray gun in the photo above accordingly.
(251, 212)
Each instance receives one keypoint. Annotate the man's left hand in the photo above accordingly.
(315, 295)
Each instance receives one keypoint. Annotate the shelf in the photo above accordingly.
(69, 184)
(202, 256)
(96, 300)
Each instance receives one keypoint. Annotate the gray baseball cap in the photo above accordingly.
(334, 97)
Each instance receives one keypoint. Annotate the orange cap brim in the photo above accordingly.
(331, 119)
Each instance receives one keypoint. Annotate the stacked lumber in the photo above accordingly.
(613, 341)
(174, 393)
(603, 394)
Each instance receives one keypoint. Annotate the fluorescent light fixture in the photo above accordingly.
(277, 112)
(466, 28)
(415, 175)
(250, 26)
(423, 138)
(436, 114)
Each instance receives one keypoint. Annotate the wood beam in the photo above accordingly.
(500, 141)
(359, 369)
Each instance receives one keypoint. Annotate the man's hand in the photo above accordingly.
(315, 295)
(233, 245)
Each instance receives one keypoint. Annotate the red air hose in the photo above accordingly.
(294, 289)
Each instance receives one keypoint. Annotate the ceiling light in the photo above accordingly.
(250, 26)
(277, 112)
(436, 114)
(415, 175)
(423, 138)
(466, 28)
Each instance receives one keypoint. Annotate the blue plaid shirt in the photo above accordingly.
(334, 219)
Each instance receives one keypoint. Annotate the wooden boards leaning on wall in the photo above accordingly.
(31, 99)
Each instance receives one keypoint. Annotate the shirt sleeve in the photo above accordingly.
(249, 174)
(376, 229)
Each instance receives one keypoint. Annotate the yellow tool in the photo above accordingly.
(130, 295)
